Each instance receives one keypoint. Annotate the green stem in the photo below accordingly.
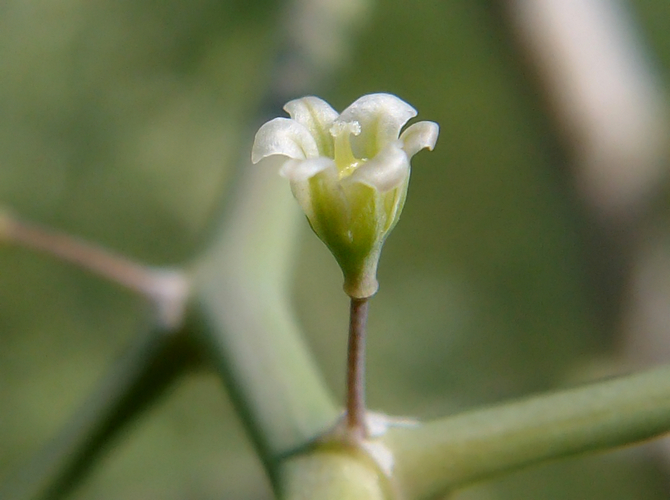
(331, 474)
(137, 379)
(456, 451)
(243, 318)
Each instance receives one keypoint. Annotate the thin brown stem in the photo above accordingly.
(75, 251)
(356, 369)
(164, 287)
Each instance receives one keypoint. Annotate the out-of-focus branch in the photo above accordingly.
(606, 101)
(604, 94)
(166, 289)
(317, 42)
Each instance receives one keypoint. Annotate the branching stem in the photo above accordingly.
(356, 369)
(165, 288)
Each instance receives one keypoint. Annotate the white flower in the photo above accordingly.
(349, 172)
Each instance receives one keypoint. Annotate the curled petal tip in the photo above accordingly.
(419, 136)
(286, 137)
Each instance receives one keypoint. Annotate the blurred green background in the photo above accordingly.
(120, 121)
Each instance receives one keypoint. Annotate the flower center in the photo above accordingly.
(344, 157)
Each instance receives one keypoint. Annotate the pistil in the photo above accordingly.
(345, 160)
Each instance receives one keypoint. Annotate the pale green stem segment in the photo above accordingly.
(456, 451)
(244, 317)
(335, 474)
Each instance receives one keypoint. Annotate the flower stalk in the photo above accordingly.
(355, 417)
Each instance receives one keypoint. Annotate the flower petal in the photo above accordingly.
(381, 116)
(418, 136)
(301, 170)
(385, 171)
(283, 136)
(317, 116)
(314, 192)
